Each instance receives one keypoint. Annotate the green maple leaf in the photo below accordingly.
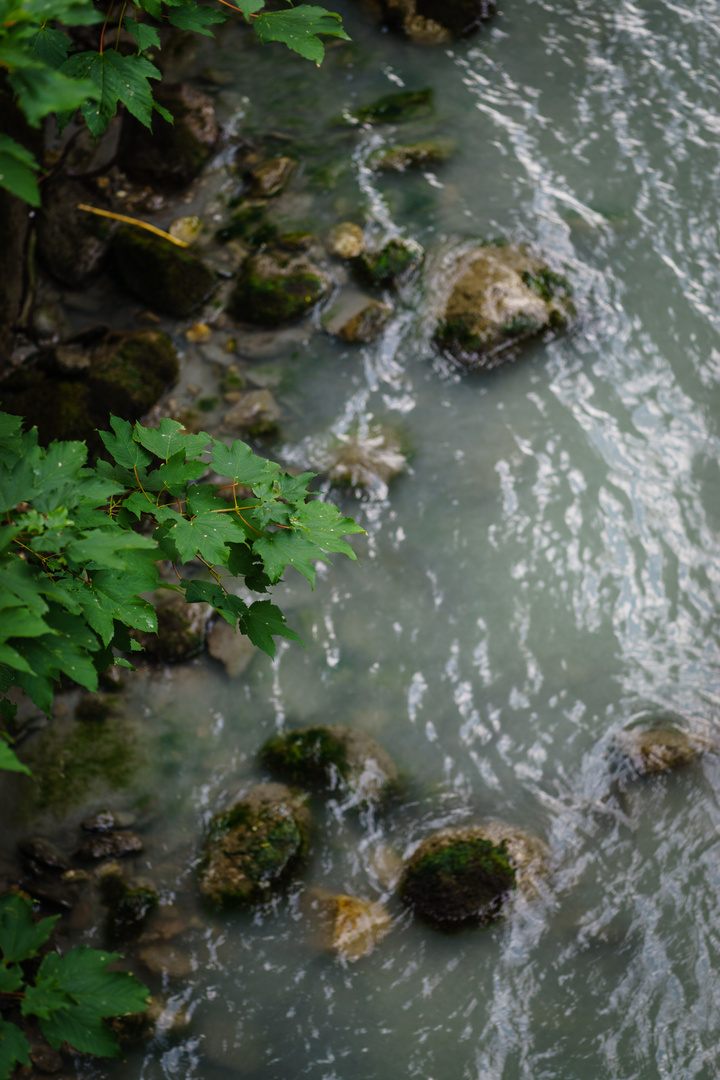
(122, 447)
(240, 464)
(298, 29)
(20, 936)
(264, 620)
(283, 549)
(169, 438)
(9, 759)
(106, 548)
(205, 535)
(11, 979)
(112, 78)
(146, 36)
(326, 526)
(14, 1048)
(192, 16)
(92, 993)
(17, 171)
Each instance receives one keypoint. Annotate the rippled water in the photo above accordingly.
(546, 569)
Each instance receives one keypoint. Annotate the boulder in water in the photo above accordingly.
(389, 266)
(275, 286)
(255, 846)
(502, 297)
(165, 276)
(333, 757)
(660, 748)
(458, 877)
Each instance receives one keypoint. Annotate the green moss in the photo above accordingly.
(412, 155)
(129, 374)
(394, 263)
(268, 298)
(520, 326)
(128, 908)
(163, 275)
(207, 404)
(397, 108)
(458, 880)
(305, 757)
(548, 285)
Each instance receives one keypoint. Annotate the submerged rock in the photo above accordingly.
(412, 155)
(659, 749)
(345, 240)
(164, 959)
(123, 372)
(113, 845)
(357, 319)
(276, 286)
(255, 412)
(392, 265)
(349, 927)
(458, 877)
(333, 757)
(502, 297)
(181, 630)
(40, 855)
(527, 854)
(170, 155)
(160, 1018)
(233, 649)
(165, 276)
(367, 461)
(397, 108)
(129, 904)
(271, 177)
(255, 846)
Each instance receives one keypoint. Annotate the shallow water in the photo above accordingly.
(544, 571)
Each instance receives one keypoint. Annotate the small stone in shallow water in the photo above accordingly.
(412, 155)
(362, 461)
(357, 319)
(41, 854)
(255, 411)
(392, 265)
(271, 177)
(107, 821)
(345, 240)
(112, 845)
(165, 959)
(350, 927)
(187, 229)
(397, 107)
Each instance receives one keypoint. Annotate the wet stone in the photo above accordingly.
(72, 244)
(42, 855)
(275, 287)
(365, 461)
(357, 319)
(391, 265)
(397, 108)
(331, 758)
(457, 877)
(129, 904)
(255, 847)
(112, 845)
(345, 240)
(271, 177)
(349, 926)
(107, 821)
(660, 749)
(255, 412)
(503, 296)
(163, 275)
(163, 959)
(412, 155)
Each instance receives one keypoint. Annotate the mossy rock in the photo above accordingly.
(397, 108)
(72, 244)
(330, 758)
(412, 155)
(275, 287)
(503, 296)
(255, 847)
(389, 267)
(165, 276)
(458, 877)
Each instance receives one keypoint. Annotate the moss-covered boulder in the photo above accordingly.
(171, 155)
(415, 155)
(72, 244)
(181, 630)
(659, 748)
(122, 373)
(163, 275)
(502, 297)
(333, 758)
(397, 108)
(254, 847)
(275, 286)
(392, 265)
(458, 877)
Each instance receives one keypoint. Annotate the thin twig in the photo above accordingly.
(133, 221)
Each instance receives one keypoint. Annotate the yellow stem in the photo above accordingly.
(133, 221)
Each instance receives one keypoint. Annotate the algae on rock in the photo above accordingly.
(276, 286)
(458, 877)
(393, 264)
(255, 846)
(165, 276)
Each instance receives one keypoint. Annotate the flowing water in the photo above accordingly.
(545, 571)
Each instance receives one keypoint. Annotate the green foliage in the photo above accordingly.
(47, 74)
(71, 996)
(79, 545)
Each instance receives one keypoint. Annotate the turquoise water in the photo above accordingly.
(545, 570)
